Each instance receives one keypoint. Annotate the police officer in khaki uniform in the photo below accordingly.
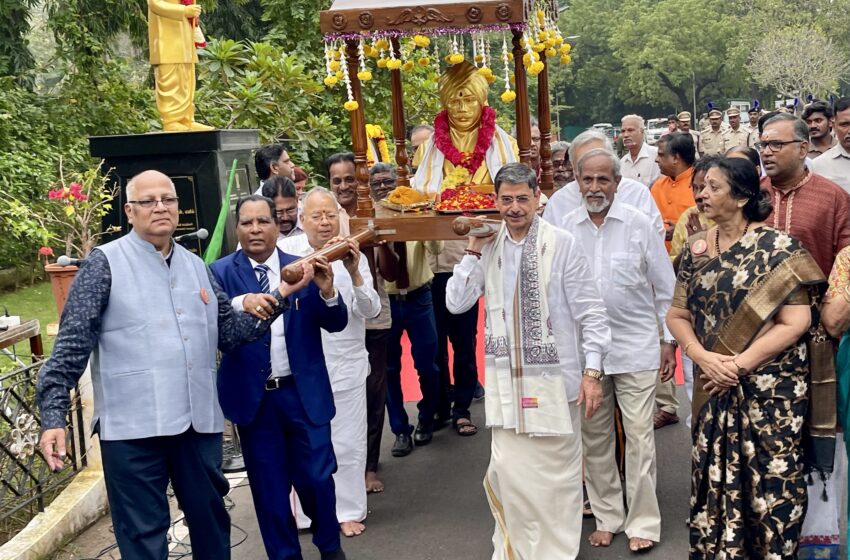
(683, 121)
(712, 141)
(754, 114)
(736, 135)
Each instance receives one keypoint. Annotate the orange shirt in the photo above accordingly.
(673, 197)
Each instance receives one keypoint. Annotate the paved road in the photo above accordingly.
(434, 507)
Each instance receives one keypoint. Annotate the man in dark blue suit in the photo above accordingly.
(277, 390)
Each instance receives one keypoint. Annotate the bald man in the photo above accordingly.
(153, 347)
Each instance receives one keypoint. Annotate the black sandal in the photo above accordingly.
(465, 428)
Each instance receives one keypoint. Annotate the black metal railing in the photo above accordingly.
(27, 485)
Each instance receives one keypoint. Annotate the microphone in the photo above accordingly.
(65, 260)
(200, 234)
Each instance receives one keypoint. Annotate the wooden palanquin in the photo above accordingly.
(350, 20)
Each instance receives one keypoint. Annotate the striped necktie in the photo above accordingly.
(262, 271)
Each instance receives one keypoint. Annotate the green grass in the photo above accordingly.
(34, 302)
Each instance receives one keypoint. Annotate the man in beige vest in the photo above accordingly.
(171, 38)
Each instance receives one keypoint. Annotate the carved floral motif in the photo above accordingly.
(504, 12)
(419, 16)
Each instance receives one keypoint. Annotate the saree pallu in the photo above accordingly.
(748, 494)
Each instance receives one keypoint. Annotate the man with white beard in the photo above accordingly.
(633, 273)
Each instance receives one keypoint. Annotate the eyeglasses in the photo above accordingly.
(384, 183)
(287, 212)
(168, 202)
(775, 145)
(559, 163)
(508, 200)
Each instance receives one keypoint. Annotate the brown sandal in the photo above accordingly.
(464, 427)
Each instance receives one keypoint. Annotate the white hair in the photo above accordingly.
(612, 159)
(560, 146)
(638, 118)
(586, 137)
(317, 191)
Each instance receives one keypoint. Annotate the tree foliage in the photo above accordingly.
(15, 57)
(818, 75)
(257, 85)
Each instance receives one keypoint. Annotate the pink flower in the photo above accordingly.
(57, 194)
(45, 251)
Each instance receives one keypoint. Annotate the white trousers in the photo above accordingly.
(688, 371)
(348, 435)
(635, 393)
(533, 485)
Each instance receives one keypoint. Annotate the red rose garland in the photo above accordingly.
(443, 140)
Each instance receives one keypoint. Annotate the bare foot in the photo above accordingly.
(637, 544)
(600, 538)
(352, 528)
(373, 485)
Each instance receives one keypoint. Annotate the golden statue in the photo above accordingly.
(172, 28)
(465, 134)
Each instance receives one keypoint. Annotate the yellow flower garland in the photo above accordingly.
(374, 132)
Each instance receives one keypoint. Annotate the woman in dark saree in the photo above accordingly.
(741, 312)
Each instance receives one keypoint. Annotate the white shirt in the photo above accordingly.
(643, 168)
(629, 191)
(345, 351)
(277, 349)
(834, 164)
(634, 275)
(574, 303)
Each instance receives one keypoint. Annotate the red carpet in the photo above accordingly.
(410, 381)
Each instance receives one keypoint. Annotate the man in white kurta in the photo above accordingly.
(632, 270)
(568, 198)
(345, 356)
(545, 338)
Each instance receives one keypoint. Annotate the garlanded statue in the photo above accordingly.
(173, 37)
(466, 140)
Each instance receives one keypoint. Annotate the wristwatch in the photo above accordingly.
(593, 373)
(671, 342)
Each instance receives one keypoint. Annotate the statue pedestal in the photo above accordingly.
(197, 162)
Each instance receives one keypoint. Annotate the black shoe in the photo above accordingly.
(441, 421)
(335, 555)
(479, 392)
(403, 445)
(423, 436)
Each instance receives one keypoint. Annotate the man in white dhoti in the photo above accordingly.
(545, 338)
(345, 356)
(634, 275)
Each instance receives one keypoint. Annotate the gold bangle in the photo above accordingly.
(688, 345)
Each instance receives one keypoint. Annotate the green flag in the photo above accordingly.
(213, 251)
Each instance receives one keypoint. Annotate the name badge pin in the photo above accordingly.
(699, 247)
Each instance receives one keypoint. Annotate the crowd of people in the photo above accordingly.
(726, 249)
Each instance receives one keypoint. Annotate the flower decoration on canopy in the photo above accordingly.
(376, 134)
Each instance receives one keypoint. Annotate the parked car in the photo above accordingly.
(654, 129)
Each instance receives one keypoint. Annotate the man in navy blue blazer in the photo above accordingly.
(277, 391)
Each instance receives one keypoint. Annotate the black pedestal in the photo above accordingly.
(197, 162)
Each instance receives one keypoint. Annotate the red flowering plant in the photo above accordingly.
(73, 217)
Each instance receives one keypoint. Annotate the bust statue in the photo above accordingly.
(171, 38)
(465, 133)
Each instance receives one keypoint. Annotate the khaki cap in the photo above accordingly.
(733, 112)
(715, 113)
(684, 116)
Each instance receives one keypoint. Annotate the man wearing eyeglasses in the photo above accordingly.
(562, 167)
(285, 196)
(151, 317)
(805, 205)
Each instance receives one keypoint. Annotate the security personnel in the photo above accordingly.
(712, 141)
(684, 123)
(736, 135)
